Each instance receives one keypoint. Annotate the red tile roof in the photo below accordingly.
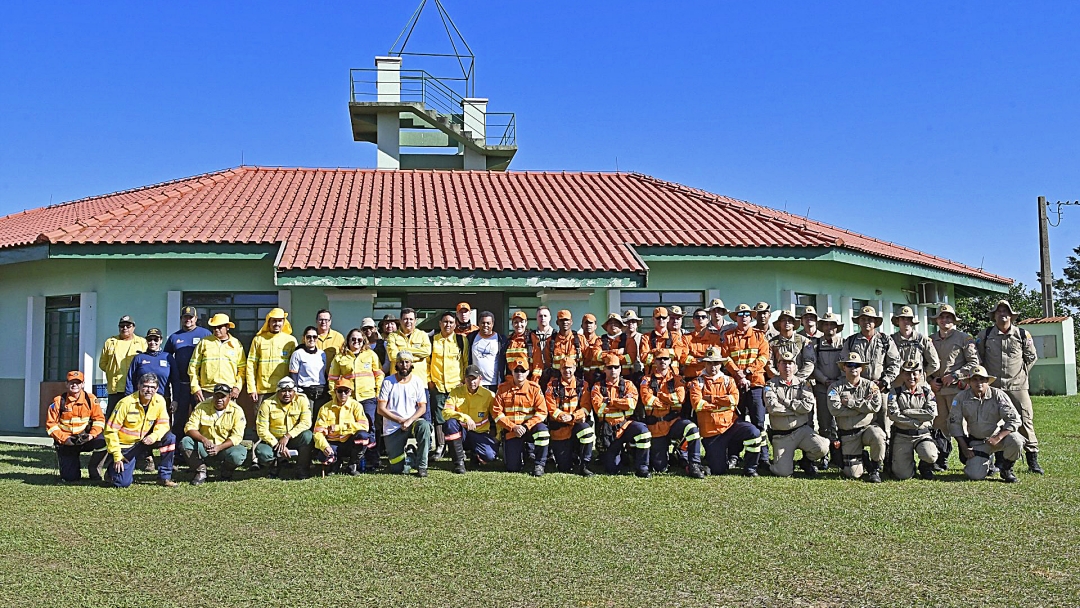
(1038, 321)
(333, 219)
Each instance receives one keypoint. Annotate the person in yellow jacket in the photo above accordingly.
(360, 365)
(330, 341)
(342, 431)
(467, 412)
(116, 358)
(138, 424)
(214, 432)
(417, 344)
(268, 357)
(284, 426)
(445, 372)
(217, 360)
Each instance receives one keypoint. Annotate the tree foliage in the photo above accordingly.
(974, 313)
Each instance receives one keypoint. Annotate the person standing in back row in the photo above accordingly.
(1008, 353)
(181, 346)
(116, 358)
(958, 356)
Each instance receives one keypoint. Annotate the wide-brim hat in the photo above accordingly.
(631, 315)
(868, 311)
(943, 309)
(911, 366)
(713, 355)
(780, 314)
(786, 356)
(851, 359)
(1007, 306)
(717, 303)
(831, 317)
(762, 307)
(220, 319)
(740, 308)
(981, 372)
(905, 313)
(388, 318)
(613, 318)
(811, 311)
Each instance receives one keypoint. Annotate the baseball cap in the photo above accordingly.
(125, 319)
(588, 317)
(367, 322)
(285, 382)
(611, 360)
(189, 311)
(464, 306)
(153, 332)
(518, 314)
(75, 375)
(660, 311)
(563, 314)
(473, 371)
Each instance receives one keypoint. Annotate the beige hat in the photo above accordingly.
(613, 318)
(911, 366)
(780, 314)
(713, 355)
(869, 311)
(905, 313)
(717, 303)
(809, 311)
(830, 317)
(786, 356)
(851, 358)
(740, 308)
(631, 315)
(404, 355)
(943, 309)
(1007, 306)
(981, 372)
(762, 307)
(676, 311)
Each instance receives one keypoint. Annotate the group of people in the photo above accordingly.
(703, 401)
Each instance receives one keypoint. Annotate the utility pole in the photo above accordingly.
(1045, 271)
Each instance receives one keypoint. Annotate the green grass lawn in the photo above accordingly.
(496, 539)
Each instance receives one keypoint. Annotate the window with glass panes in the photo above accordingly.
(802, 300)
(857, 306)
(61, 337)
(247, 310)
(643, 303)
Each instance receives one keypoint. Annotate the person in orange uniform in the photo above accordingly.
(572, 435)
(465, 325)
(661, 338)
(715, 397)
(662, 397)
(519, 410)
(616, 342)
(613, 401)
(520, 344)
(593, 350)
(75, 422)
(566, 343)
(699, 341)
(747, 352)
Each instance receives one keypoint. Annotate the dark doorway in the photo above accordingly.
(429, 305)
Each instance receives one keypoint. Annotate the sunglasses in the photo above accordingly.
(853, 366)
(744, 314)
(663, 358)
(311, 337)
(153, 339)
(343, 391)
(701, 316)
(355, 340)
(613, 367)
(520, 371)
(659, 318)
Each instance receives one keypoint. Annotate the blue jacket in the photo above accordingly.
(181, 345)
(160, 364)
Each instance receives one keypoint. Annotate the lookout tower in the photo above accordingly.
(418, 120)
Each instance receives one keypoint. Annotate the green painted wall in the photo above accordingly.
(1054, 375)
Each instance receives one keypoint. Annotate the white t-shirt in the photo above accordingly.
(401, 399)
(485, 355)
(310, 368)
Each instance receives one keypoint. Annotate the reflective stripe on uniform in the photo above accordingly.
(586, 435)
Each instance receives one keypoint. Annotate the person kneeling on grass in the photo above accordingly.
(138, 424)
(854, 401)
(214, 432)
(402, 403)
(75, 423)
(467, 412)
(790, 405)
(342, 432)
(284, 425)
(571, 426)
(715, 397)
(992, 422)
(519, 411)
(614, 401)
(912, 408)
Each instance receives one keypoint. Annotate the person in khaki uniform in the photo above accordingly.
(878, 352)
(854, 401)
(912, 409)
(1008, 353)
(827, 350)
(762, 313)
(912, 345)
(790, 404)
(991, 422)
(958, 356)
(787, 341)
(810, 320)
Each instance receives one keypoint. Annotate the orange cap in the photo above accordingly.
(589, 317)
(519, 315)
(75, 375)
(563, 314)
(660, 310)
(611, 360)
(464, 306)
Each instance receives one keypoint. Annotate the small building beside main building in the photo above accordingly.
(368, 242)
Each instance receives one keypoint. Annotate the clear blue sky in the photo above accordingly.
(949, 117)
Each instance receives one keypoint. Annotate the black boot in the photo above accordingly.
(694, 470)
(355, 468)
(1007, 474)
(1033, 463)
(836, 455)
(926, 470)
(457, 454)
(808, 467)
(273, 471)
(873, 472)
(538, 469)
